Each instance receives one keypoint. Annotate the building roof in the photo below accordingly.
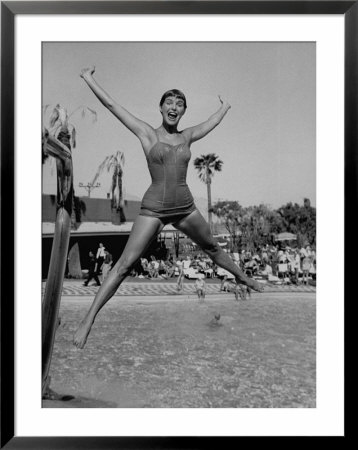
(95, 209)
(96, 229)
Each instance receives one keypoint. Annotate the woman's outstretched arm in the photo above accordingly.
(142, 130)
(199, 131)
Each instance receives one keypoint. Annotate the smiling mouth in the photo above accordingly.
(172, 116)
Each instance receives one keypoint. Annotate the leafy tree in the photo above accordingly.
(249, 227)
(207, 165)
(300, 220)
(230, 212)
(258, 223)
(59, 122)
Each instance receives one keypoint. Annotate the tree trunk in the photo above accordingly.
(53, 290)
(117, 204)
(208, 188)
(176, 244)
(74, 262)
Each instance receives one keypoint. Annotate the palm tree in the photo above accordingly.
(57, 140)
(114, 163)
(60, 127)
(59, 121)
(207, 165)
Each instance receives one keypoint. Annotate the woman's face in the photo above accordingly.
(172, 110)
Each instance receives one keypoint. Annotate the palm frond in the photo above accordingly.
(44, 109)
(120, 159)
(207, 165)
(59, 117)
(84, 110)
(63, 116)
(94, 113)
(73, 137)
(54, 116)
(111, 162)
(100, 169)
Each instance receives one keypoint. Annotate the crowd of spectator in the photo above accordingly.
(273, 263)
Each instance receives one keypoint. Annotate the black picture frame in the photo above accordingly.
(9, 10)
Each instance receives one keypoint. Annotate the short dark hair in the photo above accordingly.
(173, 93)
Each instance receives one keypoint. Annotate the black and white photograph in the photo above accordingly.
(179, 259)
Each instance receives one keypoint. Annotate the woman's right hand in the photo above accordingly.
(88, 71)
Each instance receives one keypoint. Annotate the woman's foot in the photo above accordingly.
(80, 337)
(253, 284)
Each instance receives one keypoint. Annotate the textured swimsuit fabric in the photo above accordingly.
(168, 195)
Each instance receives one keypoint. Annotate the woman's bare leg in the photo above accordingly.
(180, 280)
(143, 231)
(196, 227)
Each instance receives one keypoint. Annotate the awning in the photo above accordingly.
(90, 229)
(285, 237)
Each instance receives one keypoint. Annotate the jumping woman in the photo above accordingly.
(168, 199)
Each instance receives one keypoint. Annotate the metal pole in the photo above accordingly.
(89, 187)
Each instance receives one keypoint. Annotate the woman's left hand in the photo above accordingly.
(224, 102)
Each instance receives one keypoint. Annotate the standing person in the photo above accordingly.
(200, 288)
(107, 264)
(100, 255)
(296, 265)
(168, 199)
(242, 291)
(180, 280)
(224, 286)
(92, 271)
(306, 264)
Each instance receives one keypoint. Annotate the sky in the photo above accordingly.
(267, 140)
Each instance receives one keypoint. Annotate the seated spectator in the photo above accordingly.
(145, 267)
(205, 268)
(187, 262)
(202, 265)
(209, 272)
(264, 254)
(167, 269)
(267, 270)
(257, 258)
(251, 267)
(154, 267)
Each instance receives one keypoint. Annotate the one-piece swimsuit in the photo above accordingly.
(168, 197)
